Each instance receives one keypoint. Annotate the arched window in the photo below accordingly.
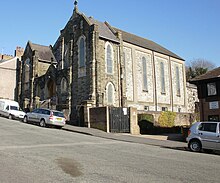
(63, 85)
(109, 58)
(82, 57)
(27, 74)
(125, 65)
(144, 67)
(162, 78)
(110, 94)
(177, 81)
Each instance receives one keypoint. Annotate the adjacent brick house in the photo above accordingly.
(8, 72)
(94, 64)
(8, 78)
(209, 95)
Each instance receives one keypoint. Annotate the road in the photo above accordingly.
(33, 154)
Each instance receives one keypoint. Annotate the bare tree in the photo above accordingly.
(198, 67)
(202, 63)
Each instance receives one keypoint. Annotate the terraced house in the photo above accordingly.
(93, 64)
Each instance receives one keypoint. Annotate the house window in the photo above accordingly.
(162, 78)
(82, 52)
(144, 66)
(211, 88)
(109, 58)
(110, 94)
(213, 118)
(164, 109)
(178, 81)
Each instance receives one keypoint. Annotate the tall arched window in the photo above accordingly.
(162, 78)
(177, 81)
(27, 74)
(109, 58)
(144, 67)
(110, 94)
(63, 85)
(82, 52)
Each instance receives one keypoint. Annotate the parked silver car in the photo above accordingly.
(46, 117)
(204, 135)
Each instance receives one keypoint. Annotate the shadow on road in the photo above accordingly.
(187, 149)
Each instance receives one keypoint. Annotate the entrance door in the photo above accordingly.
(119, 119)
(51, 88)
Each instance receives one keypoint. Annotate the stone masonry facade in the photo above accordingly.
(94, 64)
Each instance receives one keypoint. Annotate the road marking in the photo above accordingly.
(57, 145)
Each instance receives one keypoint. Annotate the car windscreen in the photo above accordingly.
(15, 108)
(59, 114)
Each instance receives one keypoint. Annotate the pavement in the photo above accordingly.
(172, 141)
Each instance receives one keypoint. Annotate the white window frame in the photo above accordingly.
(211, 89)
(178, 81)
(110, 103)
(144, 74)
(112, 58)
(79, 51)
(162, 78)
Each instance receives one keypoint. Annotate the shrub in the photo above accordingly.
(167, 119)
(146, 117)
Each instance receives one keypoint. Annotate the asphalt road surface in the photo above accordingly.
(31, 154)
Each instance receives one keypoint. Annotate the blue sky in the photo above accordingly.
(189, 28)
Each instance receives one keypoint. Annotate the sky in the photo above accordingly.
(189, 28)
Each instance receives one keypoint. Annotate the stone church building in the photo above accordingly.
(93, 64)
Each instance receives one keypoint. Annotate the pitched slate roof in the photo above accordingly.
(108, 32)
(44, 52)
(145, 43)
(215, 73)
(104, 30)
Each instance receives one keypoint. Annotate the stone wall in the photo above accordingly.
(181, 119)
(8, 78)
(179, 97)
(192, 96)
(103, 79)
(154, 99)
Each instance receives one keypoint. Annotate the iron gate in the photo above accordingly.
(119, 120)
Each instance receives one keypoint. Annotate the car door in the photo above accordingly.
(218, 137)
(32, 116)
(6, 111)
(40, 115)
(208, 134)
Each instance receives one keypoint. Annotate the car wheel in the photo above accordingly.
(195, 146)
(25, 119)
(10, 116)
(42, 123)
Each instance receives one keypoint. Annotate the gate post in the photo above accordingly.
(134, 127)
(107, 119)
(87, 105)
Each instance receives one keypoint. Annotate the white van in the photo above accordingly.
(10, 109)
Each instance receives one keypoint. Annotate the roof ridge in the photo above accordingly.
(40, 45)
